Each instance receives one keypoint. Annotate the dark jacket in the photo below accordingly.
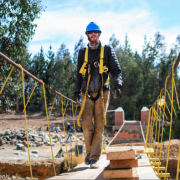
(110, 61)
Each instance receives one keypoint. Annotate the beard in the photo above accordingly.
(94, 39)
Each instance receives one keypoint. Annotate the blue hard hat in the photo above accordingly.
(92, 27)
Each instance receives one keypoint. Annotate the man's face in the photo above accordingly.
(93, 36)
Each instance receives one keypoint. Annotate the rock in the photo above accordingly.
(41, 134)
(54, 140)
(12, 136)
(11, 142)
(16, 153)
(24, 149)
(57, 136)
(19, 146)
(62, 141)
(38, 144)
(15, 142)
(62, 135)
(35, 151)
(6, 132)
(1, 142)
(63, 144)
(7, 138)
(51, 143)
(38, 139)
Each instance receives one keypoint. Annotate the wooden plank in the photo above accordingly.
(138, 149)
(120, 155)
(127, 163)
(119, 173)
(83, 171)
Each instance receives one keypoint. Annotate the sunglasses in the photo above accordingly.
(90, 32)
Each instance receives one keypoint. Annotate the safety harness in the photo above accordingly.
(82, 71)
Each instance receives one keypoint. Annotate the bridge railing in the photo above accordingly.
(161, 110)
(64, 100)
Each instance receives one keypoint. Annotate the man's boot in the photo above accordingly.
(87, 160)
(94, 164)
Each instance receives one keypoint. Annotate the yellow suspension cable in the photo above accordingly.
(151, 131)
(157, 117)
(171, 119)
(170, 101)
(6, 80)
(176, 95)
(26, 121)
(30, 96)
(102, 102)
(147, 133)
(159, 123)
(177, 173)
(75, 127)
(154, 114)
(53, 105)
(159, 127)
(63, 113)
(162, 131)
(48, 126)
(84, 101)
(150, 128)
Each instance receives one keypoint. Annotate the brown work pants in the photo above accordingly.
(93, 133)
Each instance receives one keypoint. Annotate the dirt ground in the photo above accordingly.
(34, 121)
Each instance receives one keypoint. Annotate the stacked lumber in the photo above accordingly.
(123, 164)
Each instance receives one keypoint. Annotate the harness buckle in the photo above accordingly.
(105, 69)
(96, 64)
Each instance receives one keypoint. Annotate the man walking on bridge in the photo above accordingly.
(94, 65)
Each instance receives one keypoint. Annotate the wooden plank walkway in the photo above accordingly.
(82, 171)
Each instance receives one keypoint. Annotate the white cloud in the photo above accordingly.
(67, 25)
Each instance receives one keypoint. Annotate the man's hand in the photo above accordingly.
(117, 91)
(77, 96)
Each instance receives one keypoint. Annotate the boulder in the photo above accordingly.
(51, 143)
(38, 139)
(19, 146)
(35, 151)
(6, 132)
(62, 141)
(24, 149)
(41, 134)
(1, 142)
(62, 135)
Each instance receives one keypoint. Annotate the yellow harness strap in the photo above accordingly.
(101, 60)
(83, 68)
(83, 72)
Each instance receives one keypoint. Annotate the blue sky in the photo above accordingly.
(65, 21)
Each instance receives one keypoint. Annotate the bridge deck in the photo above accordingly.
(82, 171)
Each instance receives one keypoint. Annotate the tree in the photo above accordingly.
(77, 47)
(38, 67)
(16, 29)
(113, 41)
